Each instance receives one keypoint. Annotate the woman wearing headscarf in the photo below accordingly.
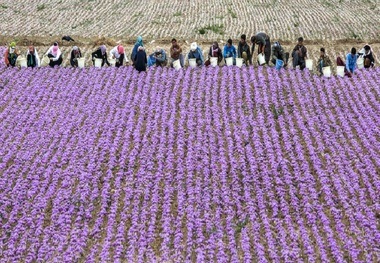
(75, 54)
(118, 53)
(11, 55)
(32, 58)
(140, 59)
(101, 52)
(139, 43)
(55, 55)
(214, 52)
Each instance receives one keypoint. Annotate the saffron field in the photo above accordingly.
(197, 165)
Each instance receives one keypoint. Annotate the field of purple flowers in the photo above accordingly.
(199, 165)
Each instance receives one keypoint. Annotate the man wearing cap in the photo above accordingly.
(263, 41)
(299, 54)
(118, 53)
(75, 54)
(196, 52)
(244, 50)
(11, 55)
(323, 61)
(279, 53)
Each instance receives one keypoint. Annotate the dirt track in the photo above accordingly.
(95, 41)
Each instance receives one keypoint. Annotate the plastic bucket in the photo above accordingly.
(214, 61)
(192, 62)
(22, 62)
(279, 64)
(261, 59)
(98, 62)
(360, 63)
(309, 64)
(230, 61)
(80, 62)
(340, 71)
(177, 64)
(326, 72)
(239, 62)
(112, 62)
(45, 61)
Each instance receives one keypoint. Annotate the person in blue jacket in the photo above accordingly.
(351, 59)
(229, 51)
(196, 52)
(139, 43)
(158, 58)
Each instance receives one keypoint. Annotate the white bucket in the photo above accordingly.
(98, 62)
(360, 63)
(261, 59)
(230, 61)
(309, 64)
(80, 62)
(192, 62)
(22, 62)
(326, 72)
(239, 62)
(177, 64)
(112, 61)
(214, 61)
(340, 71)
(45, 61)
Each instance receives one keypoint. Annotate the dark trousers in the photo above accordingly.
(104, 61)
(298, 61)
(161, 64)
(55, 63)
(267, 50)
(119, 61)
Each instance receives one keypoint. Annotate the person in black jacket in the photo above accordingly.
(32, 58)
(215, 52)
(262, 40)
(75, 54)
(140, 59)
(101, 52)
(244, 51)
(369, 60)
(299, 54)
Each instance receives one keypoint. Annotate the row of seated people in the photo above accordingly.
(140, 60)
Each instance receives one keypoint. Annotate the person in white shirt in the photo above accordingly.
(118, 53)
(55, 55)
(32, 58)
